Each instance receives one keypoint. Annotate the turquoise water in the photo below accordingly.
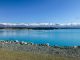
(61, 37)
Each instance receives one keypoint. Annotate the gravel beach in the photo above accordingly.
(41, 48)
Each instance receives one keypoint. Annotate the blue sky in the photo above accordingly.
(31, 11)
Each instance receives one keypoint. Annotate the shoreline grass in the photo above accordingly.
(21, 55)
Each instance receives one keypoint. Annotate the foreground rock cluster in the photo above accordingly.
(73, 51)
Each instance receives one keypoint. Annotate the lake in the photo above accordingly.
(60, 37)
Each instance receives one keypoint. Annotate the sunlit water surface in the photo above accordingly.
(61, 37)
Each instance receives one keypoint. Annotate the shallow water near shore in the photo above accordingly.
(60, 37)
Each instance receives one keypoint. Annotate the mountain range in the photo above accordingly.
(40, 26)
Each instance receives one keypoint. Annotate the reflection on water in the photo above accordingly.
(53, 37)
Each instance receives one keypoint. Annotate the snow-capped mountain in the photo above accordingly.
(39, 25)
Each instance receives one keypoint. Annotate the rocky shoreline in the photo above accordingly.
(67, 51)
